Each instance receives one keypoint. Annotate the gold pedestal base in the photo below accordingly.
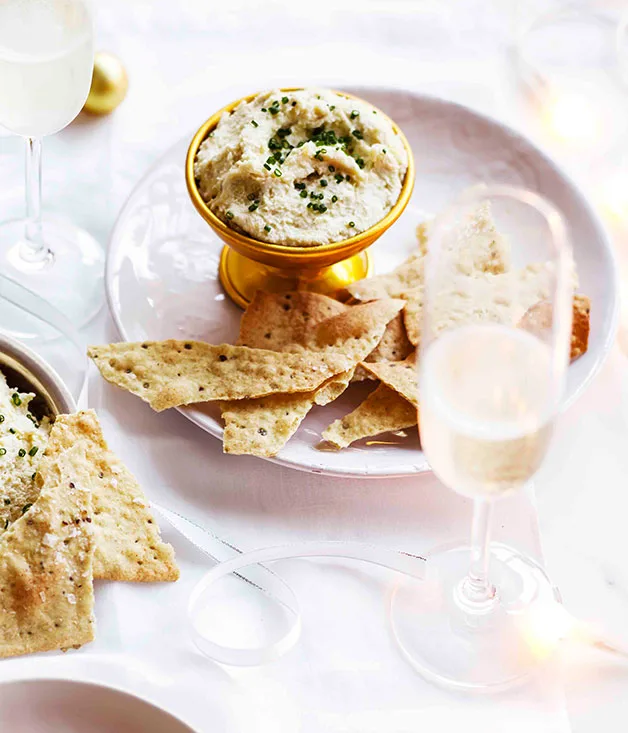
(242, 277)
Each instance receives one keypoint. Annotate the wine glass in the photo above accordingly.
(46, 62)
(493, 356)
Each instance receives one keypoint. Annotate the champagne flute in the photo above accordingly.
(490, 385)
(46, 62)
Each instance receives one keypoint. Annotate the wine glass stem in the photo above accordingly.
(476, 587)
(33, 249)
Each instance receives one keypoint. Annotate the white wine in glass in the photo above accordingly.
(46, 63)
(491, 368)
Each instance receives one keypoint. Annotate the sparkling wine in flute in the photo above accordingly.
(45, 64)
(485, 408)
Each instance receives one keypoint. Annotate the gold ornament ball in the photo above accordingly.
(109, 84)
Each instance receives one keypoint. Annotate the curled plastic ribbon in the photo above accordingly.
(249, 568)
(402, 562)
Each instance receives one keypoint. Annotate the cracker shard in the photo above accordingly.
(46, 594)
(172, 373)
(127, 542)
(475, 246)
(262, 427)
(538, 318)
(401, 376)
(383, 411)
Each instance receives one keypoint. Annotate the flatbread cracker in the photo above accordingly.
(46, 594)
(480, 298)
(127, 543)
(539, 318)
(172, 373)
(285, 322)
(262, 427)
(413, 314)
(394, 345)
(382, 411)
(400, 376)
(475, 246)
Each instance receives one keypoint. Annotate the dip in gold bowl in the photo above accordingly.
(286, 177)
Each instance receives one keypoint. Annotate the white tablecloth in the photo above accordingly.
(345, 675)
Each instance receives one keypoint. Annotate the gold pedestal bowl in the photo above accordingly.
(248, 265)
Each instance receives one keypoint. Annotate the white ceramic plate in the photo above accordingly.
(162, 279)
(55, 706)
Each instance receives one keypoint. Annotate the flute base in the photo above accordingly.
(68, 273)
(484, 648)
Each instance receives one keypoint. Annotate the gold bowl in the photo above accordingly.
(248, 265)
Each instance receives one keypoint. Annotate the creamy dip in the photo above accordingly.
(301, 168)
(22, 441)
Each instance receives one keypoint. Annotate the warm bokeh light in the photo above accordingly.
(546, 625)
(572, 118)
(612, 196)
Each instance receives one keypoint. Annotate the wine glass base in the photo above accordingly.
(488, 651)
(70, 275)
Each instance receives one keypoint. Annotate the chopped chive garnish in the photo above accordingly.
(3, 452)
(284, 131)
(309, 205)
(26, 507)
(274, 110)
(284, 100)
(357, 135)
(254, 123)
(354, 114)
(303, 194)
(267, 228)
(252, 207)
(6, 523)
(351, 224)
(333, 107)
(334, 199)
(6, 501)
(270, 160)
(301, 144)
(21, 453)
(331, 168)
(294, 104)
(12, 431)
(33, 475)
(299, 186)
(1, 418)
(264, 109)
(266, 166)
(339, 177)
(360, 162)
(32, 451)
(229, 215)
(277, 172)
(15, 398)
(322, 208)
(323, 182)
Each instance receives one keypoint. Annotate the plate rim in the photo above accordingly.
(93, 682)
(420, 467)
